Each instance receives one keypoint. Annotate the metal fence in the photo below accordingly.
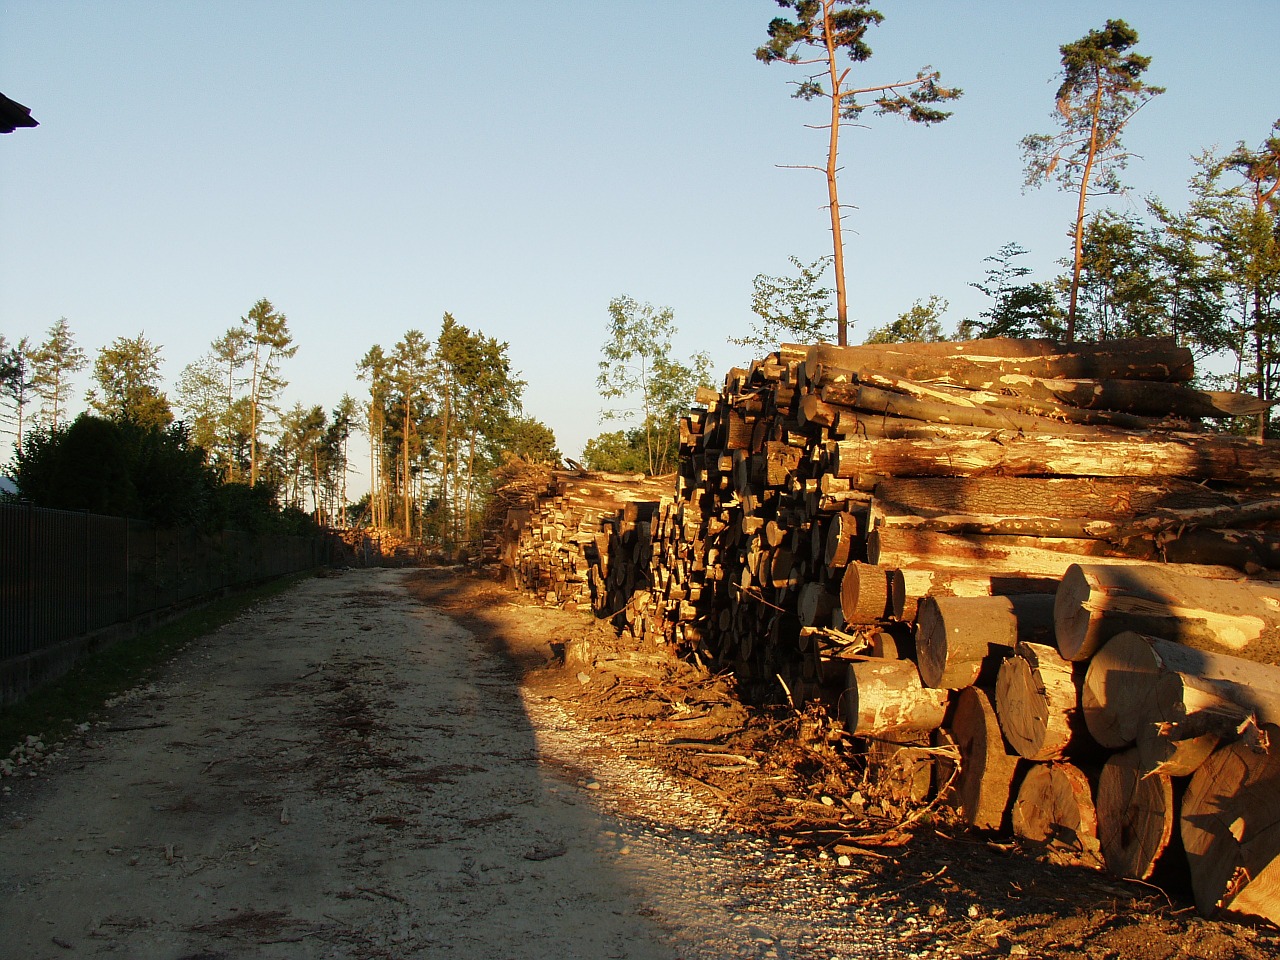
(65, 573)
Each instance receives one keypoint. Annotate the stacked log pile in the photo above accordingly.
(1034, 558)
(946, 543)
(567, 532)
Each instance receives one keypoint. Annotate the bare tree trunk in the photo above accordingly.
(1080, 209)
(407, 490)
(837, 238)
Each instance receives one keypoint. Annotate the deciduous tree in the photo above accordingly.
(920, 323)
(127, 374)
(1100, 91)
(1019, 308)
(796, 309)
(637, 371)
(825, 29)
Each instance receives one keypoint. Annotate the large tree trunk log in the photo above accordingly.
(1224, 459)
(1231, 831)
(1055, 808)
(1186, 702)
(1037, 701)
(957, 636)
(987, 769)
(1095, 602)
(1093, 498)
(906, 548)
(1135, 816)
(1136, 680)
(1118, 688)
(842, 541)
(887, 403)
(870, 593)
(1189, 716)
(1153, 359)
(812, 353)
(989, 399)
(1145, 398)
(922, 579)
(1250, 551)
(815, 604)
(884, 699)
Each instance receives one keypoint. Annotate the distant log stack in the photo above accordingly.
(567, 530)
(994, 516)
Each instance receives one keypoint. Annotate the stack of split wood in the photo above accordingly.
(569, 534)
(1037, 554)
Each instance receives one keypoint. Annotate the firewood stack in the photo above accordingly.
(1040, 557)
(567, 531)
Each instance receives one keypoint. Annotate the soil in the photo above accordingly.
(422, 763)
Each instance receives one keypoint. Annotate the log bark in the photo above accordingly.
(1135, 816)
(1152, 359)
(1093, 498)
(1224, 459)
(1145, 398)
(987, 768)
(1230, 827)
(906, 548)
(884, 699)
(926, 578)
(887, 403)
(1095, 602)
(991, 399)
(1037, 702)
(1055, 809)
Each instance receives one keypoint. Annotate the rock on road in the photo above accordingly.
(346, 772)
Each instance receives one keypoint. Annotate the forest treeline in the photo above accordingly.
(223, 451)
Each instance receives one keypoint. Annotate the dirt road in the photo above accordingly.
(347, 772)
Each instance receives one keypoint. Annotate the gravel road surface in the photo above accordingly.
(347, 772)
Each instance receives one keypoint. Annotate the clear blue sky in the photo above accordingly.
(367, 166)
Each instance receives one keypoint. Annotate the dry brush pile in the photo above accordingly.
(1037, 560)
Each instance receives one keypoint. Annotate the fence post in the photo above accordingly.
(31, 576)
(128, 571)
(86, 571)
